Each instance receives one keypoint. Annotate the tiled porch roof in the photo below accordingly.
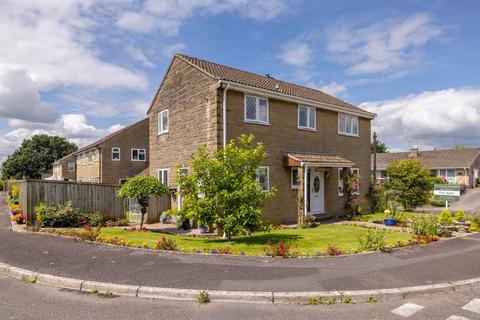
(295, 159)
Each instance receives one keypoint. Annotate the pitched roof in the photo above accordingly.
(433, 159)
(321, 159)
(110, 136)
(222, 72)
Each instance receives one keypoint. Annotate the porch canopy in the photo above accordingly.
(298, 159)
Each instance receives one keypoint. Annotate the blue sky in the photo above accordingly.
(82, 69)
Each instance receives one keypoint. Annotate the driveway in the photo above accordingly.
(469, 202)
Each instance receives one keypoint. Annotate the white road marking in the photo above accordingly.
(473, 306)
(407, 310)
(457, 318)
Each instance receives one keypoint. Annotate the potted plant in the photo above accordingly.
(391, 213)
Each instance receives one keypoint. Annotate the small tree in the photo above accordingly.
(223, 187)
(410, 183)
(141, 188)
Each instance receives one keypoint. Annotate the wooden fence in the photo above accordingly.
(88, 197)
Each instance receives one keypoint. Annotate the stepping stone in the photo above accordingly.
(407, 310)
(473, 306)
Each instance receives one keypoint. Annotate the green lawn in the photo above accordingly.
(304, 241)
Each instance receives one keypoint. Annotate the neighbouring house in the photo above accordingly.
(311, 138)
(457, 166)
(64, 169)
(116, 157)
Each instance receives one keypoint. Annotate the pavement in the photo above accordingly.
(469, 202)
(22, 301)
(449, 260)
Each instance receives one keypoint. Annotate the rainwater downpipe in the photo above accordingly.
(224, 114)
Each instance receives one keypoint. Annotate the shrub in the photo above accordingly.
(373, 240)
(378, 195)
(203, 297)
(39, 213)
(61, 216)
(95, 219)
(90, 233)
(437, 203)
(475, 226)
(281, 249)
(15, 190)
(424, 226)
(460, 216)
(332, 250)
(166, 244)
(445, 218)
(225, 250)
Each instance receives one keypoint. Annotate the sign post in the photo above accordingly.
(446, 192)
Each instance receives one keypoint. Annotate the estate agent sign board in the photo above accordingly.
(446, 192)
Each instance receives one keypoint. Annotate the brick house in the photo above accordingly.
(311, 138)
(64, 168)
(116, 157)
(457, 166)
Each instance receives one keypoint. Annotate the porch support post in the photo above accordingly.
(301, 196)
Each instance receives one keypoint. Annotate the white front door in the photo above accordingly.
(317, 192)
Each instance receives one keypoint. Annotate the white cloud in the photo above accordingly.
(52, 42)
(296, 53)
(333, 88)
(389, 46)
(170, 50)
(138, 55)
(168, 15)
(20, 99)
(432, 118)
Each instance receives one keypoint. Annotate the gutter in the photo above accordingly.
(286, 97)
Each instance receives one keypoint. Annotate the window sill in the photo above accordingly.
(162, 133)
(116, 160)
(257, 122)
(294, 187)
(307, 129)
(349, 135)
(133, 160)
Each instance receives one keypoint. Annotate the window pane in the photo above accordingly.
(141, 155)
(348, 127)
(354, 125)
(294, 177)
(165, 177)
(311, 118)
(302, 117)
(165, 120)
(263, 178)
(251, 108)
(263, 110)
(135, 154)
(341, 123)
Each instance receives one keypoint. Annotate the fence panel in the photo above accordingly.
(88, 197)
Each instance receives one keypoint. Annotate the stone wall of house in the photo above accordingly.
(134, 137)
(88, 170)
(191, 99)
(60, 168)
(282, 135)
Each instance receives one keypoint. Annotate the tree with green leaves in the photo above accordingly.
(141, 189)
(381, 147)
(410, 183)
(36, 156)
(224, 187)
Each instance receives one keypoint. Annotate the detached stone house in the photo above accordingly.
(64, 168)
(116, 157)
(457, 166)
(311, 138)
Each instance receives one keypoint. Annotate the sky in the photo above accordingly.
(84, 68)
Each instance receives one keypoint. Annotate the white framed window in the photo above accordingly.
(138, 155)
(341, 185)
(163, 121)
(256, 109)
(71, 166)
(307, 118)
(122, 181)
(116, 154)
(163, 176)
(96, 155)
(263, 178)
(90, 156)
(356, 188)
(347, 124)
(294, 178)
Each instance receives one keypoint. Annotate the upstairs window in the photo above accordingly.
(347, 125)
(116, 154)
(263, 178)
(307, 118)
(71, 166)
(256, 109)
(138, 155)
(163, 176)
(163, 122)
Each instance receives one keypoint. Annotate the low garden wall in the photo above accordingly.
(88, 197)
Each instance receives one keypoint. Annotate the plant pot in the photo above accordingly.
(391, 222)
(202, 229)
